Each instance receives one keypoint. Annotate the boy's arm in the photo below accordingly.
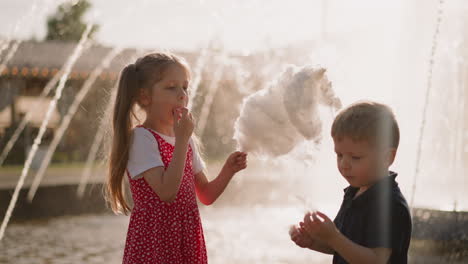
(354, 253)
(321, 247)
(383, 237)
(315, 244)
(326, 231)
(303, 240)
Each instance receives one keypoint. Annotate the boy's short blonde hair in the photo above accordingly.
(367, 121)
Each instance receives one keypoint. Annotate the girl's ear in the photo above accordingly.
(144, 97)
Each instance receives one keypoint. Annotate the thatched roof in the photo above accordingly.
(44, 59)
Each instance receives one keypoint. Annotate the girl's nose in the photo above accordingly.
(182, 95)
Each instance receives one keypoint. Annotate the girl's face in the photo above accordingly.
(169, 94)
(358, 162)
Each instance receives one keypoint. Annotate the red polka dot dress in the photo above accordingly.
(165, 233)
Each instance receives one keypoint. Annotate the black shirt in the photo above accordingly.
(379, 217)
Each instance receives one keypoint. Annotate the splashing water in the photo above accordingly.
(285, 113)
(429, 81)
(209, 98)
(10, 54)
(3, 45)
(37, 141)
(11, 142)
(90, 160)
(198, 72)
(67, 119)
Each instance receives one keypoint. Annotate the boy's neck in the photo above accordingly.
(363, 189)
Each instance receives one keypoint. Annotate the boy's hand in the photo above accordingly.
(323, 229)
(300, 238)
(235, 162)
(183, 124)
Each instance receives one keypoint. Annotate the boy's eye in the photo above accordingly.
(339, 155)
(356, 158)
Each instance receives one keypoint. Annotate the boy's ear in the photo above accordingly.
(144, 97)
(390, 157)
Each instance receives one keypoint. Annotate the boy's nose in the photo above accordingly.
(344, 164)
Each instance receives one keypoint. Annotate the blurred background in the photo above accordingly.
(60, 60)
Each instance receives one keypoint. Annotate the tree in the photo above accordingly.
(67, 24)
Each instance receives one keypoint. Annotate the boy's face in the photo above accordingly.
(360, 163)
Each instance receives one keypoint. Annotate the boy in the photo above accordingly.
(373, 224)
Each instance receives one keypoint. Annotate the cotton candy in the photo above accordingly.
(275, 119)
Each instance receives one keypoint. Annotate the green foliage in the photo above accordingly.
(67, 23)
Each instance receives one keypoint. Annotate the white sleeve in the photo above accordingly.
(198, 164)
(144, 153)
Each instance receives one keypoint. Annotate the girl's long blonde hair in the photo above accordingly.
(142, 74)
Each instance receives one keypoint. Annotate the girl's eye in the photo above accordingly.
(185, 88)
(339, 155)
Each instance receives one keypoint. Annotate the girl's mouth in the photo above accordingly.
(178, 111)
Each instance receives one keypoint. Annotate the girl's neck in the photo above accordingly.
(160, 127)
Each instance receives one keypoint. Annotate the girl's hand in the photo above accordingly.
(183, 124)
(235, 162)
(300, 238)
(321, 228)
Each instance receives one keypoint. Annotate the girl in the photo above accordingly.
(163, 166)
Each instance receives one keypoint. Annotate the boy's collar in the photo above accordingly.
(351, 191)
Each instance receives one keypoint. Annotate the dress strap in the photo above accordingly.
(158, 137)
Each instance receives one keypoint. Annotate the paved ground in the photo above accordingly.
(247, 225)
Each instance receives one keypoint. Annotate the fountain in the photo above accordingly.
(370, 62)
(38, 139)
(66, 121)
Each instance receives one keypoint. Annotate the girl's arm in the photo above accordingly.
(166, 183)
(209, 191)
